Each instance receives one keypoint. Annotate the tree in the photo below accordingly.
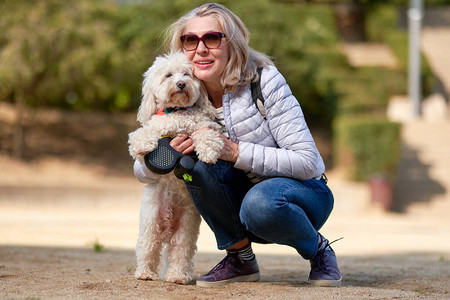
(56, 52)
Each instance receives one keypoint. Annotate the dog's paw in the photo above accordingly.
(149, 147)
(138, 151)
(208, 157)
(208, 146)
(141, 142)
(178, 278)
(134, 153)
(146, 275)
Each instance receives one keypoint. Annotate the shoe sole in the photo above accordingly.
(328, 283)
(246, 278)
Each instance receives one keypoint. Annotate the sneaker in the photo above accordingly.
(231, 269)
(324, 268)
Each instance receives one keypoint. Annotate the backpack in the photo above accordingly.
(257, 95)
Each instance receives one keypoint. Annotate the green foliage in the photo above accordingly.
(368, 89)
(129, 269)
(91, 54)
(396, 2)
(378, 19)
(98, 247)
(369, 145)
(139, 34)
(58, 53)
(303, 42)
(419, 291)
(382, 26)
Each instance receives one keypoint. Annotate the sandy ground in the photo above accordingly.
(53, 213)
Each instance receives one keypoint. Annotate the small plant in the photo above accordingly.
(130, 269)
(419, 291)
(98, 247)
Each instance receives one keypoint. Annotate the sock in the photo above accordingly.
(323, 243)
(245, 253)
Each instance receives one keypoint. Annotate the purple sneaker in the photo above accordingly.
(324, 268)
(231, 269)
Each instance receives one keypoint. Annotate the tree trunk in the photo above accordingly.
(350, 17)
(19, 128)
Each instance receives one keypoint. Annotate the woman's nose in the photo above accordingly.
(201, 47)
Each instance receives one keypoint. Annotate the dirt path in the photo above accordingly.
(48, 231)
(68, 273)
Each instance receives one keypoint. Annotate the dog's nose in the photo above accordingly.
(181, 84)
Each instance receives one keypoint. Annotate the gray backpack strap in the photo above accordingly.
(257, 95)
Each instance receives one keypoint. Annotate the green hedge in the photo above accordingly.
(382, 26)
(367, 146)
(368, 89)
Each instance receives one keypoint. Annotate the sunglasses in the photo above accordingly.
(211, 40)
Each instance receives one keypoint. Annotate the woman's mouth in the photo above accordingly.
(204, 64)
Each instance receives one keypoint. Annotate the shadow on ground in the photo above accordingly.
(414, 183)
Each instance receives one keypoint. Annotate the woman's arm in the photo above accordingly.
(296, 155)
(143, 174)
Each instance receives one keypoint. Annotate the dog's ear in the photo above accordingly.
(148, 103)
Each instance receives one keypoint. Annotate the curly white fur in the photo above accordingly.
(168, 216)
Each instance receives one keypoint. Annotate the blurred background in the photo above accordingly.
(70, 80)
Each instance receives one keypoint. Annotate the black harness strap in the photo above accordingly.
(257, 95)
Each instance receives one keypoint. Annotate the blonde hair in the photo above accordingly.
(243, 62)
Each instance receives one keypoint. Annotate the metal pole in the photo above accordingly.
(415, 14)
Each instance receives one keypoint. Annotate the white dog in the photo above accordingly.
(174, 102)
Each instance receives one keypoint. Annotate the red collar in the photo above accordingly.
(166, 111)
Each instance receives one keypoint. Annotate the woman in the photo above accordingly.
(268, 185)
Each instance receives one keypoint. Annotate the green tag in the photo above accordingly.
(187, 177)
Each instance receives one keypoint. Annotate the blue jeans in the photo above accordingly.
(277, 210)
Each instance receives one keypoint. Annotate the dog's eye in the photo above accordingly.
(168, 75)
(187, 74)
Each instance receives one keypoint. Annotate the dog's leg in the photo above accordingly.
(142, 141)
(148, 250)
(183, 246)
(208, 145)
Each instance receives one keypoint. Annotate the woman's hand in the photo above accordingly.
(184, 144)
(230, 150)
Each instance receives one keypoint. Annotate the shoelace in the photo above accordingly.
(320, 257)
(320, 261)
(335, 240)
(224, 261)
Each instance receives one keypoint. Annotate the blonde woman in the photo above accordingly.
(269, 184)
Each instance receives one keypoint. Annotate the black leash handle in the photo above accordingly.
(165, 159)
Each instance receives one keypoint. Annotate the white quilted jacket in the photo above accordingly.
(281, 144)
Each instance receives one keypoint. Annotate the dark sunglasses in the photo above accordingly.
(211, 40)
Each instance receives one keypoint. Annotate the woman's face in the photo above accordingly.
(209, 64)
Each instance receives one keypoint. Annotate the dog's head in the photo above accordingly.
(170, 82)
